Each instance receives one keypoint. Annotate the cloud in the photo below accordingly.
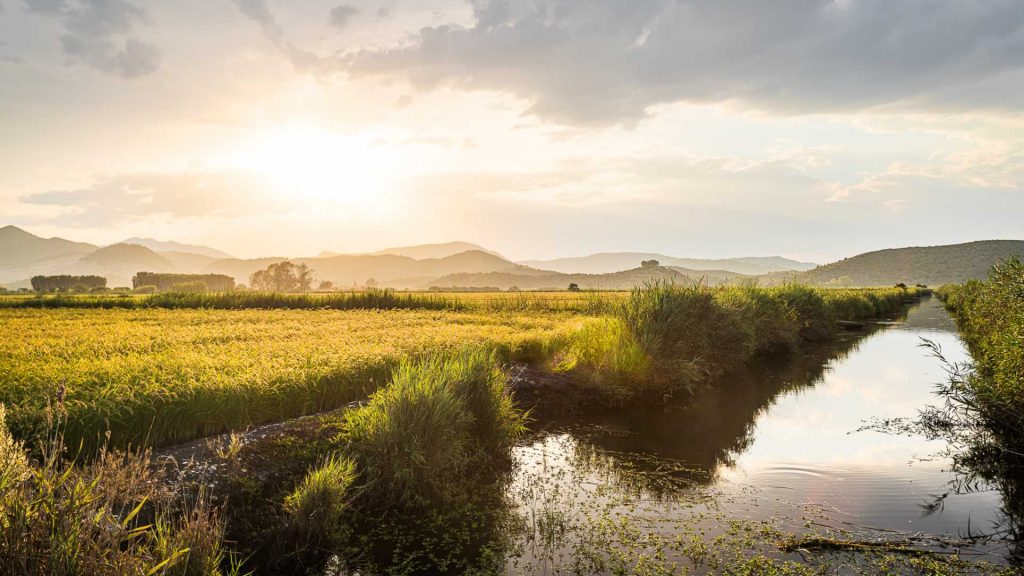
(99, 34)
(341, 15)
(605, 62)
(139, 197)
(301, 59)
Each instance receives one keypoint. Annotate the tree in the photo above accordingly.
(66, 283)
(190, 287)
(283, 277)
(371, 283)
(574, 287)
(325, 285)
(162, 281)
(649, 263)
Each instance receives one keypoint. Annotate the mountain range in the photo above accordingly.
(466, 265)
(607, 262)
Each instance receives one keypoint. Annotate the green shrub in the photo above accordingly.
(314, 509)
(991, 318)
(442, 421)
(687, 334)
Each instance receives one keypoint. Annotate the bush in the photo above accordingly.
(686, 332)
(148, 289)
(315, 508)
(441, 422)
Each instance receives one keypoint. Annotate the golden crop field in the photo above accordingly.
(162, 376)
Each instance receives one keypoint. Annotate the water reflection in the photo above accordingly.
(705, 435)
(780, 439)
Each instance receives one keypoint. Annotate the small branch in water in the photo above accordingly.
(823, 544)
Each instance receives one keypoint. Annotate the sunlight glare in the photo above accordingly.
(316, 165)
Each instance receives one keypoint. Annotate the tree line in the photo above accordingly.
(191, 282)
(67, 283)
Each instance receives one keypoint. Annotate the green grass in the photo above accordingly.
(417, 471)
(991, 319)
(441, 419)
(984, 412)
(315, 509)
(114, 516)
(666, 338)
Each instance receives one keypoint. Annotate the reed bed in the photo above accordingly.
(990, 316)
(114, 516)
(667, 338)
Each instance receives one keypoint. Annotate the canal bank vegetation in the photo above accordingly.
(425, 460)
(984, 412)
(111, 516)
(665, 338)
(990, 316)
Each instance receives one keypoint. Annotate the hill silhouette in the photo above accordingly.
(23, 255)
(162, 246)
(931, 265)
(606, 262)
(19, 248)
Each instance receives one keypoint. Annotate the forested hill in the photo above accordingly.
(931, 265)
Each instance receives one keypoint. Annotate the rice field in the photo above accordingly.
(159, 376)
(171, 367)
(380, 299)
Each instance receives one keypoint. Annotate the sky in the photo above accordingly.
(813, 129)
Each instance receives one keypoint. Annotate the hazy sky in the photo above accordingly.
(813, 129)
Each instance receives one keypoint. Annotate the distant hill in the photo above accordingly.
(188, 261)
(711, 277)
(621, 280)
(607, 262)
(119, 262)
(431, 251)
(170, 246)
(931, 265)
(127, 255)
(386, 269)
(19, 248)
(465, 265)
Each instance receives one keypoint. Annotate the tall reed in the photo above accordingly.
(111, 517)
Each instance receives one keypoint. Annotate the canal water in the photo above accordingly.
(782, 444)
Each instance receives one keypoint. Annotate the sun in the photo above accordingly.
(313, 164)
